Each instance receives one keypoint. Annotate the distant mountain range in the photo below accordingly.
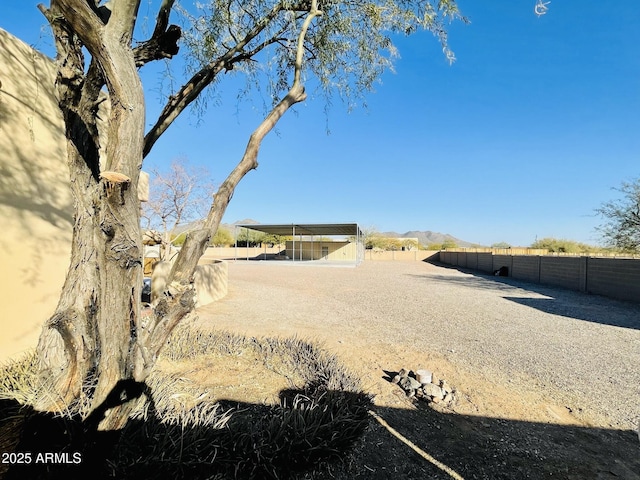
(425, 237)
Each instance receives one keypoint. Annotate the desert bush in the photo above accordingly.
(560, 245)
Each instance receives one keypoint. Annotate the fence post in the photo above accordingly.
(584, 271)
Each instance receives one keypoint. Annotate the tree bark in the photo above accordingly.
(89, 344)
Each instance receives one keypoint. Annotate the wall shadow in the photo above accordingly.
(602, 315)
(430, 440)
(558, 301)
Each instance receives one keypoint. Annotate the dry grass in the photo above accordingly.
(180, 430)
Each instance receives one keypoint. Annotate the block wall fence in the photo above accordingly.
(611, 277)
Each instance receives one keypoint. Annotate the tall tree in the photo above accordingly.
(621, 228)
(96, 338)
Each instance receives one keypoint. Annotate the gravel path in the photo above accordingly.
(582, 351)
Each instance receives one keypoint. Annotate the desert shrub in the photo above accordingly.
(560, 245)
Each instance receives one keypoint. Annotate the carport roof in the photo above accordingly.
(321, 229)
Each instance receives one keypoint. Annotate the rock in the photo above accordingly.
(408, 383)
(433, 391)
(424, 376)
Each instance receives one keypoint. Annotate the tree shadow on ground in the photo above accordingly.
(417, 442)
(557, 301)
(493, 448)
(226, 439)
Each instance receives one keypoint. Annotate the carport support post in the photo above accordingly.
(235, 234)
(293, 242)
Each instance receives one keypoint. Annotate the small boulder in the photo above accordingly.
(424, 376)
(433, 391)
(409, 384)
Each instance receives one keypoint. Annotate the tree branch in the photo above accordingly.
(194, 245)
(164, 40)
(203, 78)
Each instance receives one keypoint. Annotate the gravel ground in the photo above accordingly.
(580, 351)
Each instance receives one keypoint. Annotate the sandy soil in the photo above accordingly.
(547, 380)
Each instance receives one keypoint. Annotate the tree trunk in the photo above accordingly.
(90, 343)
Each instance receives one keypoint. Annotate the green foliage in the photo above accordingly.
(222, 238)
(621, 229)
(251, 237)
(555, 245)
(347, 47)
(178, 240)
(448, 243)
(272, 239)
(501, 245)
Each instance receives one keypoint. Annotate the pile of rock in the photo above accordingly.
(423, 385)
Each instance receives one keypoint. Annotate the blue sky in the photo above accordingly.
(521, 138)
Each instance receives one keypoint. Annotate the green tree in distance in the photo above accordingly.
(222, 238)
(560, 245)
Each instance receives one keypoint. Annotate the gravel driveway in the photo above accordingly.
(582, 351)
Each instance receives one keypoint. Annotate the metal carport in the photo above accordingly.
(310, 230)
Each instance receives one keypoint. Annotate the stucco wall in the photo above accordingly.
(336, 251)
(35, 202)
(210, 280)
(36, 206)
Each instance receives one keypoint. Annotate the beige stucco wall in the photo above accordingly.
(210, 280)
(36, 208)
(35, 202)
(336, 251)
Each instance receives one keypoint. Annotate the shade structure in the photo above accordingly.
(349, 230)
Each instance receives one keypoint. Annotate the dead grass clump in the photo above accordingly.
(18, 380)
(180, 430)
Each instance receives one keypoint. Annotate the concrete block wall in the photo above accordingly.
(210, 280)
(500, 261)
(472, 260)
(526, 268)
(485, 262)
(612, 277)
(561, 272)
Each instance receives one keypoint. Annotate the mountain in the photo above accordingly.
(426, 237)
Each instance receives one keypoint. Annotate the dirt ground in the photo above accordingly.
(495, 429)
